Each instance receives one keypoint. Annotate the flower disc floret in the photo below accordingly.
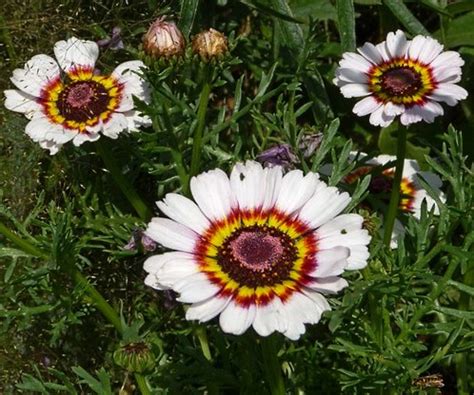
(400, 77)
(257, 249)
(68, 99)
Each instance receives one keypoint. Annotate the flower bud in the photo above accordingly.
(209, 44)
(279, 155)
(135, 357)
(163, 39)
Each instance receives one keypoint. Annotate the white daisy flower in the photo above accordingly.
(258, 249)
(65, 99)
(401, 77)
(412, 194)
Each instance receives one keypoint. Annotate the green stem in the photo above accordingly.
(395, 195)
(142, 384)
(201, 334)
(201, 116)
(125, 185)
(272, 366)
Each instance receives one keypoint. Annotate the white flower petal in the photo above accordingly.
(430, 50)
(447, 74)
(324, 205)
(355, 90)
(51, 146)
(331, 262)
(157, 263)
(355, 61)
(396, 44)
(416, 47)
(207, 309)
(16, 100)
(448, 58)
(136, 120)
(81, 138)
(329, 285)
(236, 319)
(40, 128)
(128, 74)
(184, 211)
(195, 288)
(248, 184)
(449, 93)
(366, 106)
(75, 52)
(391, 109)
(346, 231)
(36, 74)
(171, 235)
(116, 124)
(295, 190)
(152, 282)
(270, 318)
(382, 48)
(300, 309)
(352, 76)
(213, 194)
(371, 53)
(380, 118)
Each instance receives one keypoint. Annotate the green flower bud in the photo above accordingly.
(135, 357)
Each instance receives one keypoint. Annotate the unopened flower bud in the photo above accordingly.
(135, 357)
(209, 44)
(279, 155)
(163, 39)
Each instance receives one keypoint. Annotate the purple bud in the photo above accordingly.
(131, 245)
(115, 42)
(148, 243)
(279, 155)
(310, 143)
(169, 301)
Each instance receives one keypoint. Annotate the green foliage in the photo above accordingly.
(407, 316)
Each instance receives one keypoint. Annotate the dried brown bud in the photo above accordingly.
(163, 39)
(209, 44)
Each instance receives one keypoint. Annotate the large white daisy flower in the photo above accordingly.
(66, 99)
(412, 193)
(259, 248)
(401, 77)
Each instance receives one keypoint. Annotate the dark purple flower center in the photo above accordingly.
(381, 184)
(256, 251)
(257, 256)
(401, 81)
(83, 100)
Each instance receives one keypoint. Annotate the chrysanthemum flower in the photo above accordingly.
(401, 77)
(66, 99)
(412, 193)
(259, 248)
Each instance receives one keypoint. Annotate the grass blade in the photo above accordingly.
(406, 18)
(187, 15)
(346, 23)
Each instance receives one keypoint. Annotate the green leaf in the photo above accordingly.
(462, 287)
(187, 15)
(315, 9)
(346, 24)
(13, 253)
(460, 7)
(469, 315)
(458, 31)
(406, 18)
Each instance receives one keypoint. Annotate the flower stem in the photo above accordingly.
(142, 384)
(201, 334)
(395, 195)
(272, 366)
(201, 117)
(124, 184)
